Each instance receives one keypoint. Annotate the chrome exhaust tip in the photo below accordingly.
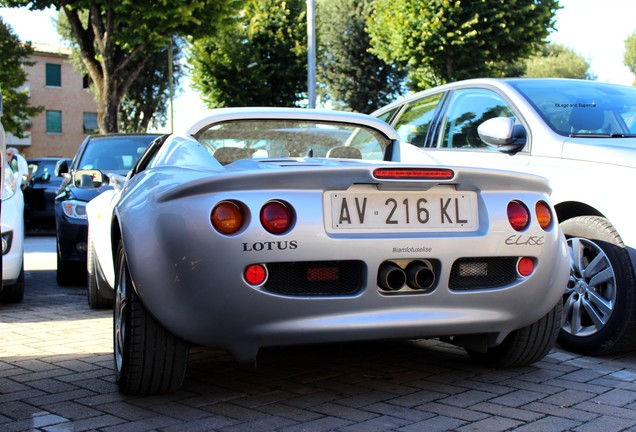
(420, 276)
(391, 277)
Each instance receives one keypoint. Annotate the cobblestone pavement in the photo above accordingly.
(56, 375)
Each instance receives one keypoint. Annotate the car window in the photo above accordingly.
(468, 108)
(235, 140)
(38, 169)
(386, 116)
(582, 108)
(415, 121)
(116, 153)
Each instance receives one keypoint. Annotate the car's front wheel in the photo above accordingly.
(524, 346)
(63, 274)
(599, 303)
(13, 293)
(148, 358)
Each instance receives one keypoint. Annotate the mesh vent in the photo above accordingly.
(321, 278)
(483, 273)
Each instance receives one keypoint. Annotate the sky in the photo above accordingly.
(595, 29)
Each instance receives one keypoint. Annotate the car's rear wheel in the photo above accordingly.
(524, 346)
(599, 304)
(148, 358)
(96, 299)
(13, 293)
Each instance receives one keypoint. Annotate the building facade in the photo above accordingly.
(70, 109)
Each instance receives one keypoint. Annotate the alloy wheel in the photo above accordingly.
(120, 313)
(590, 296)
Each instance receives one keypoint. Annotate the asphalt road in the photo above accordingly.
(56, 375)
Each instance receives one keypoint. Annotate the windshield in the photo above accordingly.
(40, 168)
(235, 140)
(114, 153)
(582, 108)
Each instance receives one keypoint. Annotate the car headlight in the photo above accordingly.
(9, 186)
(74, 209)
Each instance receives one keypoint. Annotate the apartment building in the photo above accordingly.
(70, 109)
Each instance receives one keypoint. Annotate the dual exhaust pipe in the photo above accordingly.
(417, 275)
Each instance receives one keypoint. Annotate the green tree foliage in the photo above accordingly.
(117, 37)
(440, 41)
(630, 53)
(147, 101)
(14, 55)
(355, 79)
(557, 61)
(260, 60)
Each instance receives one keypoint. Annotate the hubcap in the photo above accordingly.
(120, 313)
(590, 296)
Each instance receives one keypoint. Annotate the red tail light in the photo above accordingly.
(227, 217)
(518, 215)
(255, 274)
(544, 214)
(413, 173)
(525, 266)
(277, 217)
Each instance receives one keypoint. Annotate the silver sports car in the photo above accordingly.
(268, 227)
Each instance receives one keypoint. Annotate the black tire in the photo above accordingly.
(524, 346)
(599, 305)
(148, 358)
(96, 299)
(63, 275)
(13, 293)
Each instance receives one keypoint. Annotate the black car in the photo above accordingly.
(114, 155)
(39, 195)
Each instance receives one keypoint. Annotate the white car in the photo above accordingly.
(581, 135)
(12, 232)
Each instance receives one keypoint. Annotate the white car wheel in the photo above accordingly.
(599, 304)
(13, 293)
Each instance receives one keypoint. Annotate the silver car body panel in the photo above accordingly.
(190, 277)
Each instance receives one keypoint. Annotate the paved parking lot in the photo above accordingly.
(56, 375)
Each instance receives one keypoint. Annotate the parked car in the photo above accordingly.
(114, 154)
(39, 195)
(273, 250)
(578, 134)
(12, 215)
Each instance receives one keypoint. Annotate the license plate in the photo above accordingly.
(381, 211)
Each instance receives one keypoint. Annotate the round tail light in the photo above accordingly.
(276, 217)
(227, 217)
(518, 215)
(544, 214)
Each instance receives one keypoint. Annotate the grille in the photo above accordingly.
(315, 278)
(483, 273)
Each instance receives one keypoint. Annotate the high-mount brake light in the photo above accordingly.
(413, 173)
(544, 214)
(227, 217)
(255, 274)
(518, 215)
(277, 217)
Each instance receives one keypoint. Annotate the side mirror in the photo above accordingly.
(503, 133)
(89, 179)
